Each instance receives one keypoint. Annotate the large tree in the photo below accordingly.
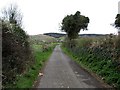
(72, 24)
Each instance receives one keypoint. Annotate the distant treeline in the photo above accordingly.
(58, 35)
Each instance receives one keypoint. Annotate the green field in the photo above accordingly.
(39, 39)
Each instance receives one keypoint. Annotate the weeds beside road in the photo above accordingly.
(100, 55)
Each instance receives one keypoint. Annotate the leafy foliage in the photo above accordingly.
(72, 24)
(101, 55)
(16, 53)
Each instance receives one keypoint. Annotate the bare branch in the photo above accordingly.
(12, 14)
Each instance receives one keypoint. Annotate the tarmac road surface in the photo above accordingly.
(62, 72)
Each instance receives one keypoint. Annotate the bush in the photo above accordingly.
(16, 53)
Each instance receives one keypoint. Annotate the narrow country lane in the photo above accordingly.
(61, 72)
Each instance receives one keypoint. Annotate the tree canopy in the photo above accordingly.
(72, 24)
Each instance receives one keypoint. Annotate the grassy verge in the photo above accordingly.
(102, 66)
(73, 57)
(27, 79)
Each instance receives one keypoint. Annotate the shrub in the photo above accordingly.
(16, 53)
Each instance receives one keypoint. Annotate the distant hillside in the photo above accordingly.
(92, 35)
(41, 38)
(58, 35)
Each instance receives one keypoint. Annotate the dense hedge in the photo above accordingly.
(16, 53)
(101, 55)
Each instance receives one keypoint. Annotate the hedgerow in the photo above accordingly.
(100, 54)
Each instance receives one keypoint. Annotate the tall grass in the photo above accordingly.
(101, 55)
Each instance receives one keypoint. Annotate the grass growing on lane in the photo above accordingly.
(27, 80)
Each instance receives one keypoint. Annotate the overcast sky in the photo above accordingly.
(42, 16)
